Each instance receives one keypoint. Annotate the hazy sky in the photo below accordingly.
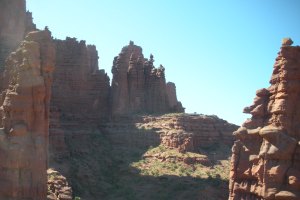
(218, 52)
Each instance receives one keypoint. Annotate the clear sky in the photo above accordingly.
(218, 52)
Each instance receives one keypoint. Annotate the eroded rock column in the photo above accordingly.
(24, 118)
(265, 162)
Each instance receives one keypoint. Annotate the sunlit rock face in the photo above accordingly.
(15, 22)
(265, 161)
(24, 118)
(139, 87)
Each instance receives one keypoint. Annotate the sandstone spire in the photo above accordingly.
(139, 87)
(24, 118)
(265, 160)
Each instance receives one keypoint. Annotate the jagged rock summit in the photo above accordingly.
(139, 87)
(265, 160)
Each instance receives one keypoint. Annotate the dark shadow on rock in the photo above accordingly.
(98, 166)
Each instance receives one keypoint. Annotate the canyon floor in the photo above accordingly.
(126, 160)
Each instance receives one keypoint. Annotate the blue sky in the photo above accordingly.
(217, 52)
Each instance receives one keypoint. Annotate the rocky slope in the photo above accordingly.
(265, 160)
(24, 118)
(147, 167)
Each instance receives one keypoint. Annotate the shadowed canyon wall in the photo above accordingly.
(265, 161)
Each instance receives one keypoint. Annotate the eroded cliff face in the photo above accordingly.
(15, 22)
(80, 97)
(80, 89)
(24, 118)
(139, 87)
(265, 160)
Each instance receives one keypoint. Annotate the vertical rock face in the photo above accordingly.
(138, 86)
(24, 118)
(80, 94)
(172, 98)
(265, 162)
(14, 24)
(80, 90)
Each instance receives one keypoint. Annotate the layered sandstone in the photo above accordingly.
(265, 160)
(24, 118)
(139, 87)
(80, 89)
(190, 132)
(80, 92)
(184, 132)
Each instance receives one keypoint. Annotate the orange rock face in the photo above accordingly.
(139, 87)
(15, 22)
(24, 118)
(265, 160)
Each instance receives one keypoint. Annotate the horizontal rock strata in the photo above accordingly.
(265, 160)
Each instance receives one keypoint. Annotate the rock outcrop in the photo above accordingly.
(80, 89)
(265, 161)
(24, 118)
(190, 132)
(58, 186)
(80, 97)
(139, 87)
(15, 22)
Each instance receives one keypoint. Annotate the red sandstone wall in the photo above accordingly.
(139, 87)
(265, 160)
(24, 118)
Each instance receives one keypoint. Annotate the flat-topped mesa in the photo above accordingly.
(265, 162)
(24, 118)
(139, 87)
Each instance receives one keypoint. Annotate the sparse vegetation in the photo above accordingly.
(124, 170)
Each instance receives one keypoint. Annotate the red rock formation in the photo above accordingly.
(175, 105)
(138, 87)
(80, 89)
(191, 132)
(80, 92)
(14, 24)
(265, 160)
(24, 118)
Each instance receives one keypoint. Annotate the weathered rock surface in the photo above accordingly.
(139, 87)
(265, 161)
(58, 186)
(190, 132)
(180, 131)
(15, 22)
(80, 91)
(24, 118)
